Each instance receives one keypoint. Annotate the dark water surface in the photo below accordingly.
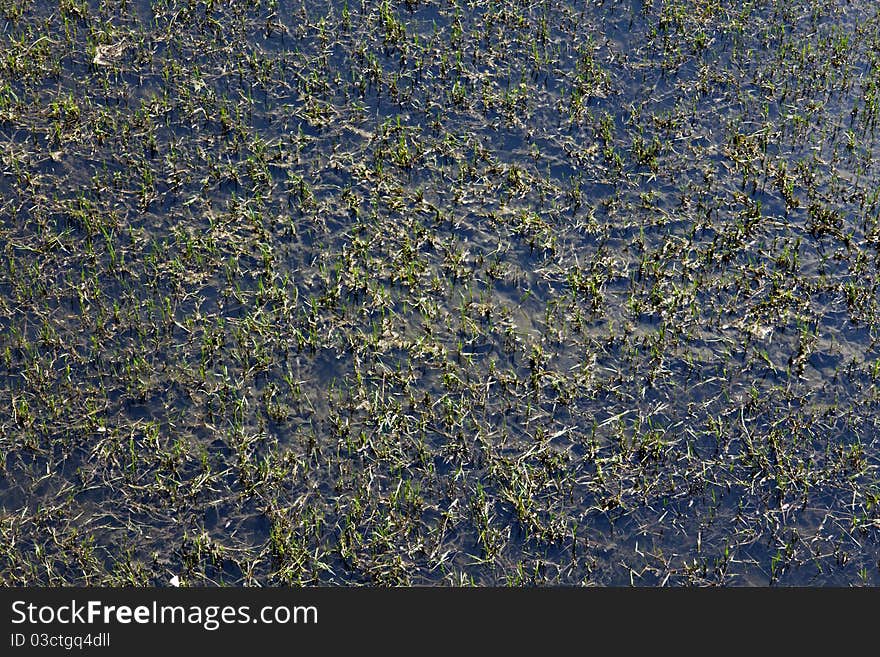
(439, 292)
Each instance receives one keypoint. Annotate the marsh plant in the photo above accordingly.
(439, 292)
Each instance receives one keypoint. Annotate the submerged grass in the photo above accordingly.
(505, 293)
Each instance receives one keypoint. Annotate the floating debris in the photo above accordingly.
(108, 55)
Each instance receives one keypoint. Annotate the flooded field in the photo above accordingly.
(452, 293)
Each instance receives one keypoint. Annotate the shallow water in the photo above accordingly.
(511, 293)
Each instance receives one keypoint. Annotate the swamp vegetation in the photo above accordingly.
(457, 293)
